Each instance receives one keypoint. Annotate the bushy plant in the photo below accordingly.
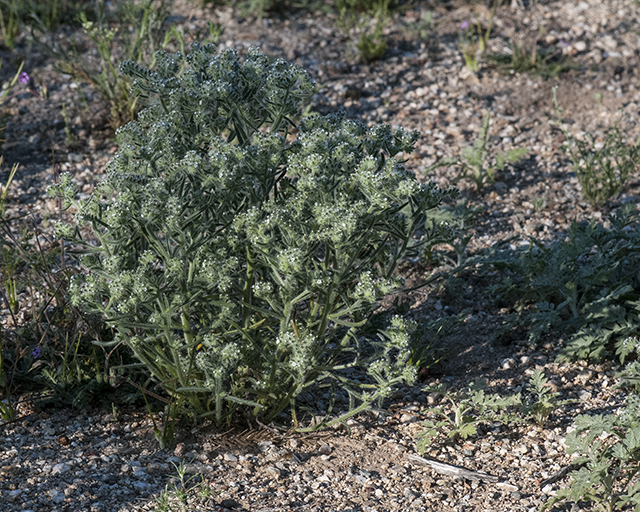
(587, 285)
(608, 450)
(602, 170)
(239, 265)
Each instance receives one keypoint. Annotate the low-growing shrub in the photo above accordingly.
(602, 169)
(608, 451)
(587, 285)
(238, 265)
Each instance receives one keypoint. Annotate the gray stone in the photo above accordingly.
(325, 449)
(505, 486)
(60, 469)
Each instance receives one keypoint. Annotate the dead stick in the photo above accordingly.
(450, 470)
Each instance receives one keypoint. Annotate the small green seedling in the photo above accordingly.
(477, 167)
(543, 401)
(184, 493)
(469, 408)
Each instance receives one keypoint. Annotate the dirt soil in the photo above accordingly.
(55, 459)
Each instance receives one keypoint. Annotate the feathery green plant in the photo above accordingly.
(543, 400)
(586, 285)
(469, 408)
(608, 449)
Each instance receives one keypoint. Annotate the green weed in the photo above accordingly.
(608, 452)
(586, 285)
(546, 63)
(602, 169)
(467, 410)
(111, 36)
(476, 165)
(358, 16)
(47, 14)
(185, 493)
(474, 40)
(543, 401)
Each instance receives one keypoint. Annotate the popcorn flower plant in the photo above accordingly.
(240, 267)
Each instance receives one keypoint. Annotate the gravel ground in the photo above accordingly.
(64, 460)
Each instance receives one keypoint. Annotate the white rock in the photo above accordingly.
(506, 487)
(273, 472)
(408, 418)
(60, 469)
(583, 377)
(139, 473)
(584, 395)
(56, 496)
(580, 46)
(507, 363)
(325, 449)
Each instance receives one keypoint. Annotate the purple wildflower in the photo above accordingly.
(36, 353)
(465, 25)
(24, 78)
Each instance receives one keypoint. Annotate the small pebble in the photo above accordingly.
(273, 472)
(506, 487)
(325, 449)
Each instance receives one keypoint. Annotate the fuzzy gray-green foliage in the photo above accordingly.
(237, 264)
(587, 285)
(608, 451)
